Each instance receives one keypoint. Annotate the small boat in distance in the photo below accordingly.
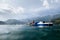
(41, 23)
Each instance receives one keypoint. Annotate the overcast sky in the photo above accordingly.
(23, 9)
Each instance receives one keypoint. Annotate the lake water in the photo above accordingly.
(24, 32)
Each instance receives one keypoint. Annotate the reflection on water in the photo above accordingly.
(23, 32)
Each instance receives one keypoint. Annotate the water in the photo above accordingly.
(24, 32)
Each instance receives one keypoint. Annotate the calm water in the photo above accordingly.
(24, 32)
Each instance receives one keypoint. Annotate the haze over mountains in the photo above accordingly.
(25, 21)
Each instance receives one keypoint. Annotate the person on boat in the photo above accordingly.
(32, 23)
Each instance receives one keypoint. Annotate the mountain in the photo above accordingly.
(47, 18)
(44, 18)
(14, 21)
(2, 22)
(56, 16)
(56, 19)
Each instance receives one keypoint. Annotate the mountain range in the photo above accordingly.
(25, 21)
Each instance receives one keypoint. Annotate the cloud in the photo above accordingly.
(45, 4)
(56, 0)
(4, 6)
(41, 0)
(18, 10)
(9, 11)
(27, 9)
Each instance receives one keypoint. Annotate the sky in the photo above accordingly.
(24, 9)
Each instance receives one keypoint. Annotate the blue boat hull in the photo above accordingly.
(36, 24)
(43, 25)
